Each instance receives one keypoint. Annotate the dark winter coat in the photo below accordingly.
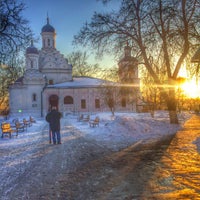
(54, 120)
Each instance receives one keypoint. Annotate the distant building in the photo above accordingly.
(48, 82)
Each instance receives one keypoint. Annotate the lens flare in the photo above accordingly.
(191, 89)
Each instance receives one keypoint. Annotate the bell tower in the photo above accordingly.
(48, 36)
(128, 67)
(128, 76)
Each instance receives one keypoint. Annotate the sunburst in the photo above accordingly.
(191, 88)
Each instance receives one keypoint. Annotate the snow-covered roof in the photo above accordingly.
(81, 82)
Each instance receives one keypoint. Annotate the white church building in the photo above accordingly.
(48, 81)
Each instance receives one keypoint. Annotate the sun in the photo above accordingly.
(191, 89)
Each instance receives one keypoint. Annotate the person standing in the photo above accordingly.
(53, 118)
(50, 134)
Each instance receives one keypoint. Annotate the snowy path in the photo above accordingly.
(30, 167)
(18, 156)
(114, 161)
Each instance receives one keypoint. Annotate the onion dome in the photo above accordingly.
(48, 27)
(127, 55)
(32, 49)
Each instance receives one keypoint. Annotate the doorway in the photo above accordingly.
(53, 101)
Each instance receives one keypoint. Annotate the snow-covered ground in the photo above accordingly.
(126, 128)
(30, 154)
(121, 129)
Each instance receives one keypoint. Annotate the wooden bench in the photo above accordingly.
(32, 120)
(86, 118)
(20, 127)
(15, 120)
(80, 117)
(94, 122)
(7, 129)
(27, 123)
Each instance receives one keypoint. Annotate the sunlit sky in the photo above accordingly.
(66, 16)
(191, 87)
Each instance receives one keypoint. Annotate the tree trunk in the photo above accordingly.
(173, 117)
(171, 104)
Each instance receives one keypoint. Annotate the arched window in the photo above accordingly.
(68, 100)
(34, 97)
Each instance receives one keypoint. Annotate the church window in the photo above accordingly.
(48, 42)
(97, 103)
(43, 42)
(31, 63)
(68, 100)
(83, 103)
(34, 97)
(123, 102)
(51, 82)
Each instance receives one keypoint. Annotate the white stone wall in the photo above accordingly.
(22, 100)
(53, 64)
(89, 94)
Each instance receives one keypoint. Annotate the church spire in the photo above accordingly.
(32, 42)
(127, 50)
(47, 18)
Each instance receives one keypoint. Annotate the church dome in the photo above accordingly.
(31, 49)
(48, 27)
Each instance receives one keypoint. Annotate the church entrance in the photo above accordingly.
(53, 101)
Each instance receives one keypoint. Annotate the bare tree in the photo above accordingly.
(8, 74)
(15, 36)
(81, 67)
(110, 74)
(110, 95)
(15, 33)
(162, 34)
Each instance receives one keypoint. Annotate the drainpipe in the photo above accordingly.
(42, 95)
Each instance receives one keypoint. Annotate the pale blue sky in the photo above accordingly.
(66, 16)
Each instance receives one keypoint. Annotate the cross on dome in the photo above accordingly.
(48, 27)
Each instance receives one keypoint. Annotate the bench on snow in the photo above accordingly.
(94, 122)
(7, 129)
(32, 120)
(27, 123)
(19, 126)
(83, 118)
